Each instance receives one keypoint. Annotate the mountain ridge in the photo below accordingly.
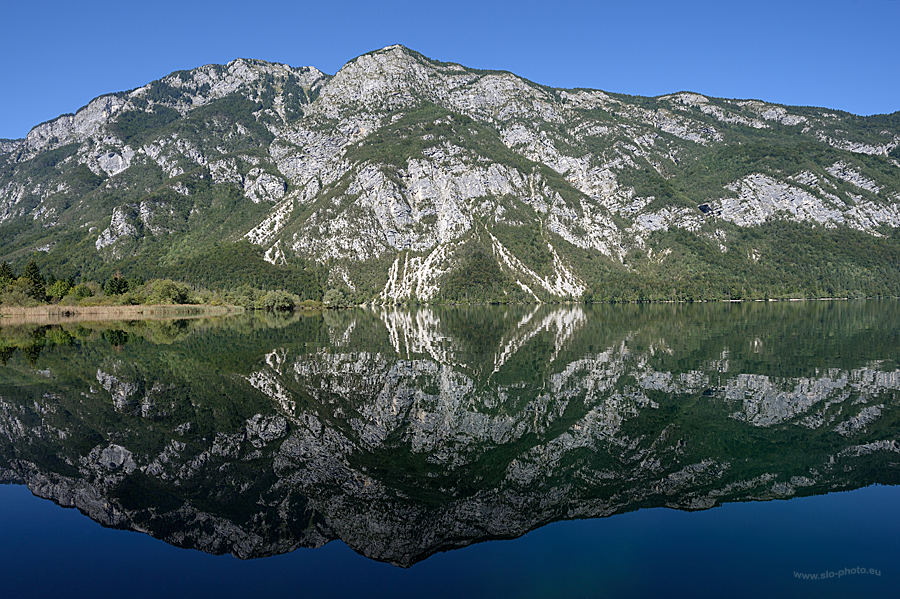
(397, 175)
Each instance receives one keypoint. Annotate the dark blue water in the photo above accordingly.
(737, 550)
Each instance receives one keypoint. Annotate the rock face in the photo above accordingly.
(392, 172)
(404, 433)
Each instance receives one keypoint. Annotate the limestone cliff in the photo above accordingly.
(393, 173)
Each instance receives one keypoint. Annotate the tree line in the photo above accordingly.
(31, 288)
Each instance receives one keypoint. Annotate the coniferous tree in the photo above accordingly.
(117, 285)
(35, 279)
(7, 275)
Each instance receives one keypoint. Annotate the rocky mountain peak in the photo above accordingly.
(387, 79)
(450, 182)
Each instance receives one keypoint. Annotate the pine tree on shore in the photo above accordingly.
(32, 274)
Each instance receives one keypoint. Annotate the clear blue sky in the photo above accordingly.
(57, 56)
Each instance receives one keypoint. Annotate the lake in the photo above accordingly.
(730, 449)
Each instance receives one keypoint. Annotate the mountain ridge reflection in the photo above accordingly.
(408, 432)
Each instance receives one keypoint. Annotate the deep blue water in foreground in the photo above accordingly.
(736, 550)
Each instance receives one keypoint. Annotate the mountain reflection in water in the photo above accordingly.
(408, 432)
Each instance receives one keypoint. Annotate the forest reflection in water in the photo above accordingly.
(406, 432)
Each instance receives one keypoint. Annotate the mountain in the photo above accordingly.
(404, 432)
(403, 178)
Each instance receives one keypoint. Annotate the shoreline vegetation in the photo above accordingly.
(32, 294)
(56, 314)
(32, 297)
(59, 310)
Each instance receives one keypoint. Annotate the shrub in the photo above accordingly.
(167, 291)
(334, 297)
(279, 300)
(310, 305)
(59, 289)
(15, 296)
(82, 291)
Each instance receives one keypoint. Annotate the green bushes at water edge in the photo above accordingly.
(33, 289)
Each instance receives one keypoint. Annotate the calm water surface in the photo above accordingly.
(620, 451)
